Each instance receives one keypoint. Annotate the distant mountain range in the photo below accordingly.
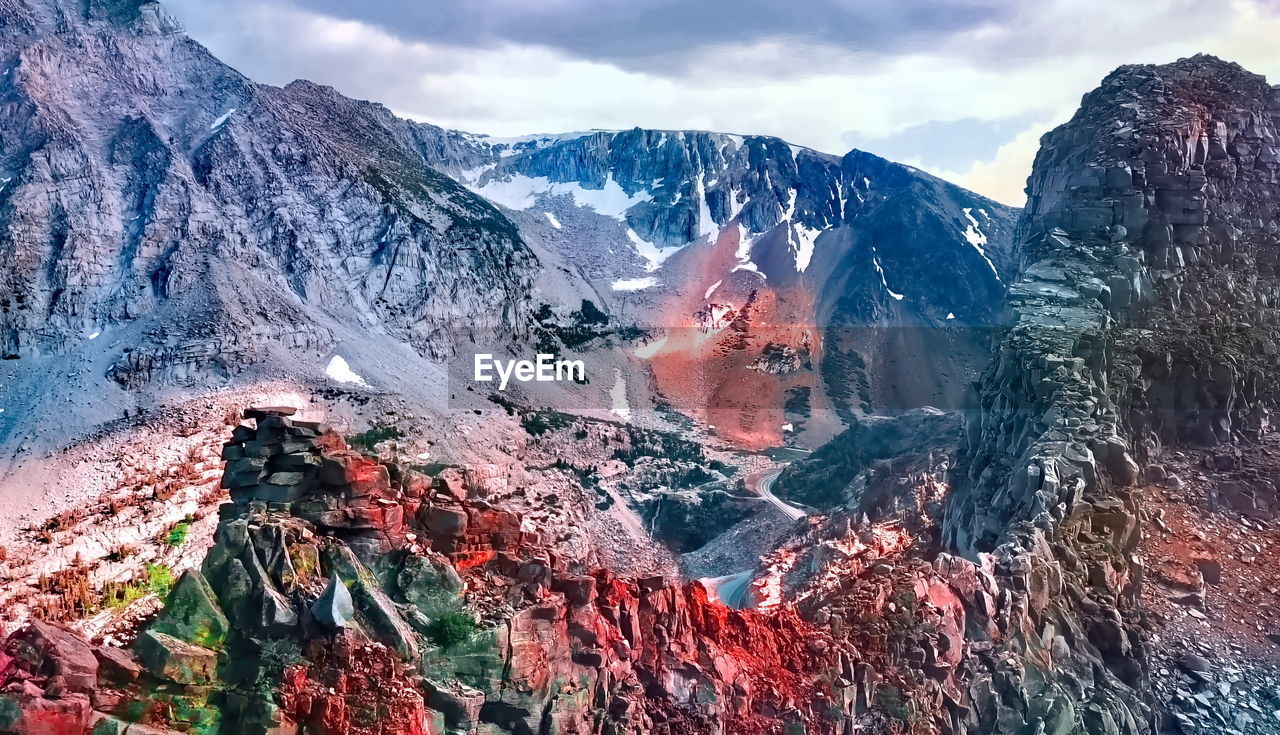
(169, 223)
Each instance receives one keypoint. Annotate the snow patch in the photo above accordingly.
(650, 252)
(804, 237)
(552, 219)
(520, 192)
(223, 119)
(645, 352)
(712, 290)
(618, 396)
(950, 315)
(95, 335)
(339, 370)
(634, 284)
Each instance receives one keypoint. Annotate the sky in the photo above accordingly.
(960, 88)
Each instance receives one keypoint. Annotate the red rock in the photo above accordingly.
(51, 650)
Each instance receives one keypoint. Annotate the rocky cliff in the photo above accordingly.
(1144, 321)
(343, 595)
(147, 189)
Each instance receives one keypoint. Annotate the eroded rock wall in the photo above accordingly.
(1144, 317)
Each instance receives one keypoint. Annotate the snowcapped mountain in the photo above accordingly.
(167, 222)
(872, 273)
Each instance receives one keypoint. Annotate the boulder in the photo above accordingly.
(192, 613)
(116, 665)
(51, 650)
(172, 659)
(334, 609)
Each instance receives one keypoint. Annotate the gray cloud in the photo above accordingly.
(658, 36)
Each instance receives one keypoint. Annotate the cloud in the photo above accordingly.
(945, 144)
(964, 93)
(663, 36)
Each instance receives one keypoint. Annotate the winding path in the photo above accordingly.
(766, 492)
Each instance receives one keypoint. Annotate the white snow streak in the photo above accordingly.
(221, 120)
(552, 219)
(634, 284)
(712, 290)
(644, 352)
(978, 239)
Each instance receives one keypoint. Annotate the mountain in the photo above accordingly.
(776, 281)
(1082, 551)
(176, 231)
(170, 227)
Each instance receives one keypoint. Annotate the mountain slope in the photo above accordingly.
(149, 186)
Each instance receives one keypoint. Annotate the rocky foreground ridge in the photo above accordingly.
(344, 595)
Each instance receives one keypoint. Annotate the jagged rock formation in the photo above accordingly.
(1145, 317)
(343, 595)
(144, 184)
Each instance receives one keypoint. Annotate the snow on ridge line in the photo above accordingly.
(634, 284)
(339, 370)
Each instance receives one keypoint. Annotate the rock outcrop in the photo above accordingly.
(344, 595)
(1144, 317)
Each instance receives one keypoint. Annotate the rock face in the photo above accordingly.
(143, 182)
(1144, 318)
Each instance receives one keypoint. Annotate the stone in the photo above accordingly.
(192, 613)
(29, 713)
(176, 660)
(445, 522)
(116, 665)
(1210, 570)
(1194, 662)
(334, 609)
(261, 412)
(51, 650)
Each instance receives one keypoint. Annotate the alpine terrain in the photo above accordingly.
(855, 450)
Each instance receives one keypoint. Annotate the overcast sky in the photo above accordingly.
(961, 88)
